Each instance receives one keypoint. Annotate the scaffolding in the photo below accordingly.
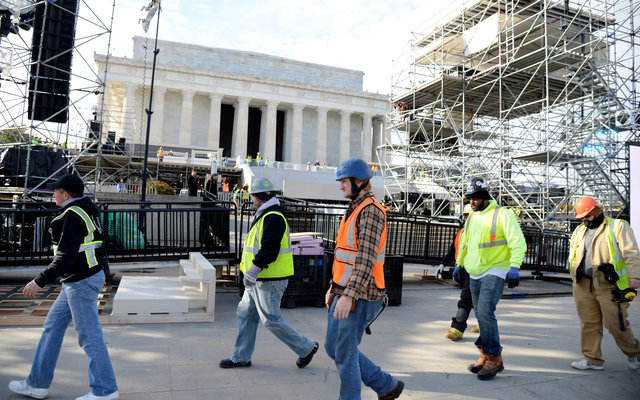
(77, 139)
(538, 97)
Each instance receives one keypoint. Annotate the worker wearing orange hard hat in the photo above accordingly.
(585, 205)
(604, 263)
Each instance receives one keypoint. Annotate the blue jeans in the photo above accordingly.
(341, 344)
(261, 303)
(485, 293)
(77, 301)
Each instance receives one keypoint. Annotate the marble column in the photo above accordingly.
(157, 118)
(215, 110)
(321, 135)
(366, 136)
(296, 135)
(240, 127)
(268, 136)
(345, 135)
(127, 129)
(378, 136)
(186, 117)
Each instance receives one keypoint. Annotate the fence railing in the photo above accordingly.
(132, 232)
(419, 239)
(154, 231)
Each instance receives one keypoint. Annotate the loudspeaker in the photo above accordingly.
(121, 146)
(54, 27)
(93, 136)
(110, 145)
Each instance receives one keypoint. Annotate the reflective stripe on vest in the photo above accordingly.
(494, 227)
(617, 259)
(283, 265)
(347, 248)
(490, 249)
(89, 245)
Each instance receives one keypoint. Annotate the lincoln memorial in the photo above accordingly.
(241, 102)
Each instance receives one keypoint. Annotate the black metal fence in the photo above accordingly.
(158, 231)
(419, 239)
(133, 231)
(169, 231)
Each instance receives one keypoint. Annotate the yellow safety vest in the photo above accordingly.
(282, 267)
(89, 245)
(614, 251)
(493, 244)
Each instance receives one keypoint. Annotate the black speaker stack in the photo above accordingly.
(54, 27)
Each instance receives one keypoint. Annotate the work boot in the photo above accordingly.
(491, 367)
(394, 393)
(453, 334)
(478, 364)
(475, 329)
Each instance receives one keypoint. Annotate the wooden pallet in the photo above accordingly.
(17, 309)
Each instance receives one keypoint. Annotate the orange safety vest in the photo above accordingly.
(457, 242)
(347, 247)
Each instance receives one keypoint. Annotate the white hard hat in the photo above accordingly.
(262, 185)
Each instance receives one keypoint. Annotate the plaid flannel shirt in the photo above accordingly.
(369, 227)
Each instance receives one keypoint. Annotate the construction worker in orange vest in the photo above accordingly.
(465, 304)
(357, 289)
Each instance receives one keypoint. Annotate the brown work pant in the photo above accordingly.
(595, 307)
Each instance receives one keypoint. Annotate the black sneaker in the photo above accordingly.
(227, 363)
(304, 361)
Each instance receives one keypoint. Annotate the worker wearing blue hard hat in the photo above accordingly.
(357, 291)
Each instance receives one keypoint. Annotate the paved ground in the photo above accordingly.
(180, 361)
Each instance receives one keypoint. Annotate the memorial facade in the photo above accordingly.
(241, 102)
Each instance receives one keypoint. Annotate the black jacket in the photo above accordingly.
(68, 232)
(272, 230)
(192, 185)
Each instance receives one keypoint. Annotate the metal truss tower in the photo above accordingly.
(80, 138)
(539, 97)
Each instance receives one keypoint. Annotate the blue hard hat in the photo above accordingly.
(354, 168)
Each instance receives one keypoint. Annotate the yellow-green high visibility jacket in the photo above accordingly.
(282, 267)
(492, 238)
(613, 243)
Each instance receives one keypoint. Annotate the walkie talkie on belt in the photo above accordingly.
(617, 295)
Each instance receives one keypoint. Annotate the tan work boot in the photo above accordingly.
(475, 329)
(453, 334)
(478, 365)
(491, 367)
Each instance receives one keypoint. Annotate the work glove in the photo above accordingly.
(439, 271)
(457, 275)
(513, 277)
(251, 276)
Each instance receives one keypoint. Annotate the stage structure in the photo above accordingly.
(538, 97)
(51, 95)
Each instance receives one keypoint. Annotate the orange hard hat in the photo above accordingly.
(585, 205)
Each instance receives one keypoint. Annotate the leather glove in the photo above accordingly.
(457, 275)
(251, 276)
(439, 271)
(513, 277)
